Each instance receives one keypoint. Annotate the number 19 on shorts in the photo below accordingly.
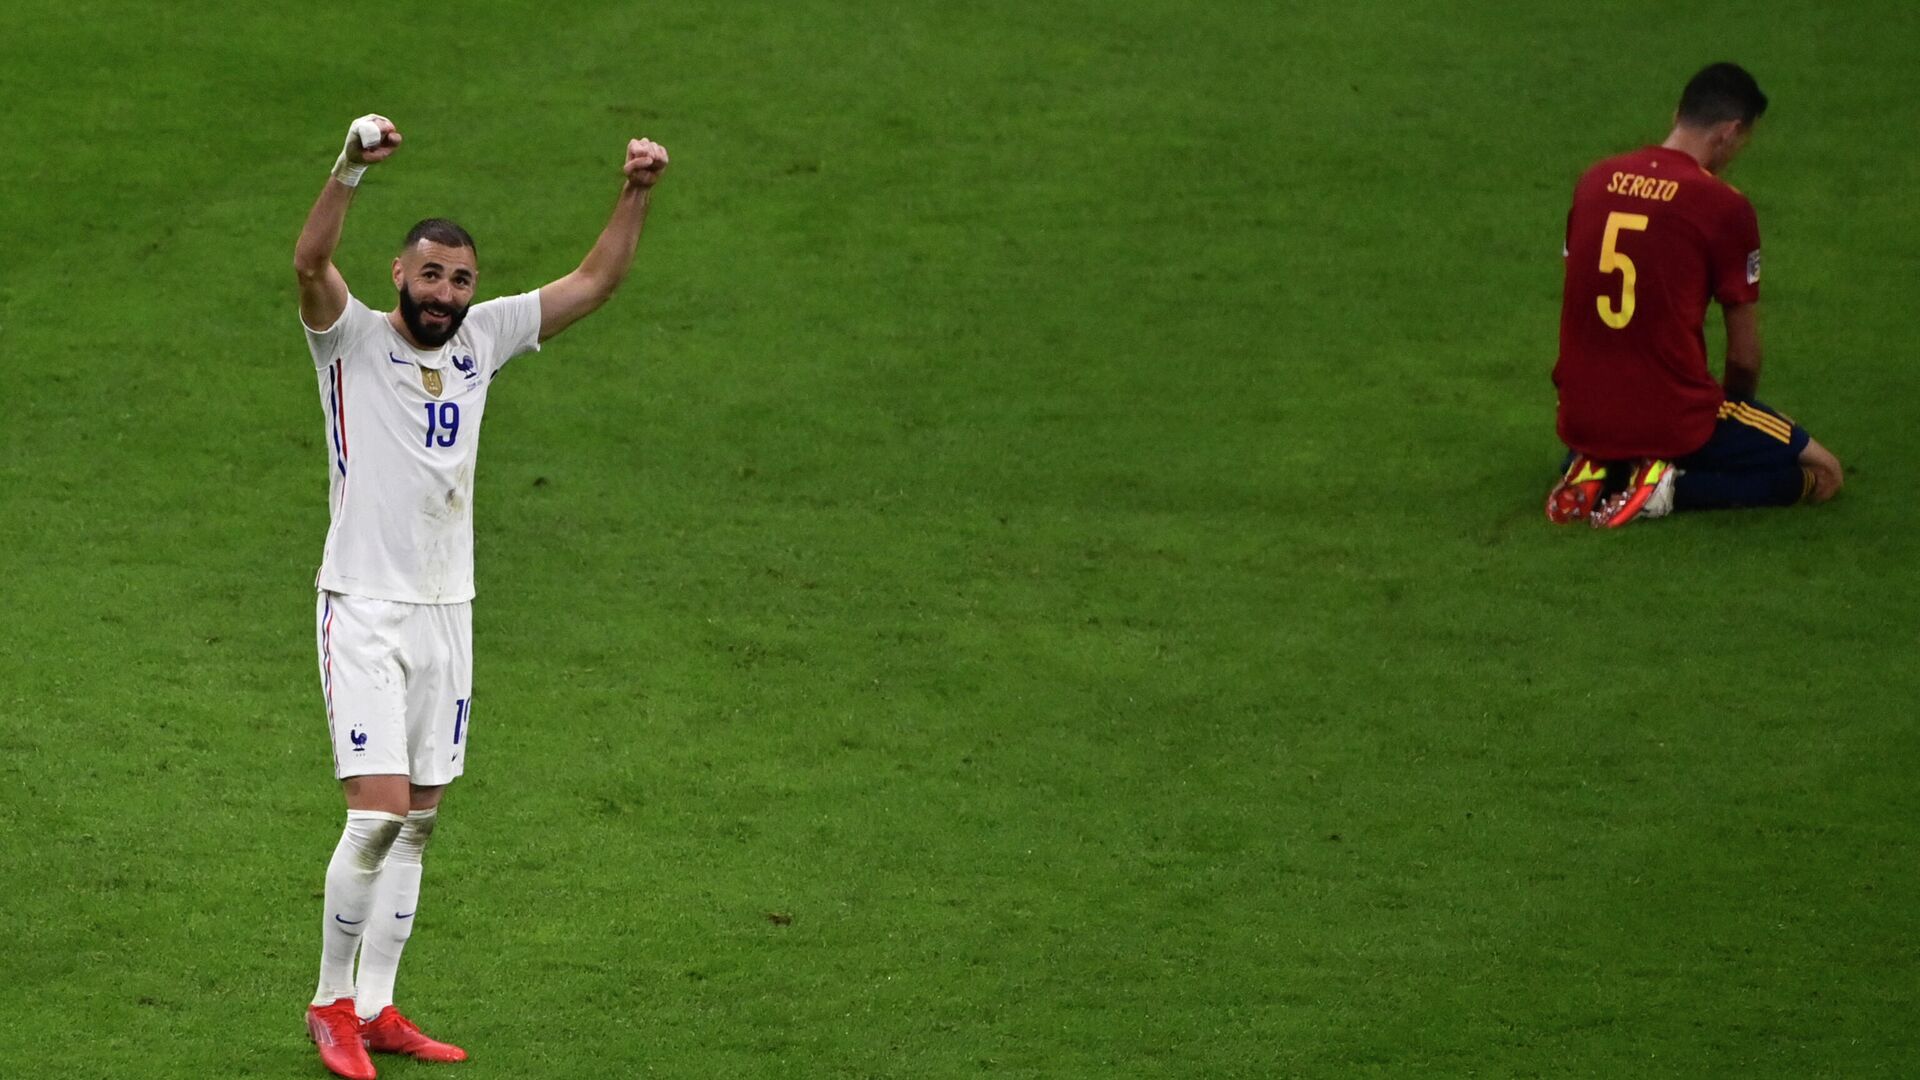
(443, 422)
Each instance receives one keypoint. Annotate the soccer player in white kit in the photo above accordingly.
(403, 393)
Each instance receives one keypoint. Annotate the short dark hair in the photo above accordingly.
(440, 231)
(1719, 93)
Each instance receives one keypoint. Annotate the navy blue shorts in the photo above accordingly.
(1749, 435)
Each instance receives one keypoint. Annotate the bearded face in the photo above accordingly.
(432, 322)
(435, 283)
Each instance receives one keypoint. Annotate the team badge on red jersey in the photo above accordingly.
(1753, 267)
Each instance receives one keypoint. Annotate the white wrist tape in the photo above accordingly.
(367, 130)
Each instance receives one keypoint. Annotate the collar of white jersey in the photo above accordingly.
(435, 359)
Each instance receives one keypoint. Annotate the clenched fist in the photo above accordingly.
(646, 160)
(371, 140)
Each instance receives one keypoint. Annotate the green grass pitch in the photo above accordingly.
(1038, 574)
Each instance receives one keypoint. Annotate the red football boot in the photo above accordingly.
(1649, 495)
(336, 1031)
(1578, 492)
(391, 1033)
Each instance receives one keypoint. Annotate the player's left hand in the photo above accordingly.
(646, 160)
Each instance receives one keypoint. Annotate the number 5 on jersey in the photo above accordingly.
(1611, 259)
(443, 419)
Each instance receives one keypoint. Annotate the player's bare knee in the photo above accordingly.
(384, 792)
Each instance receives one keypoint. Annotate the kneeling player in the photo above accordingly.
(1652, 237)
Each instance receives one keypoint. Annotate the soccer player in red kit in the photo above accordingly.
(1653, 236)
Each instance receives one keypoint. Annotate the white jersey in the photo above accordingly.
(403, 433)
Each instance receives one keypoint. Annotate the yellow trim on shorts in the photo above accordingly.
(1761, 421)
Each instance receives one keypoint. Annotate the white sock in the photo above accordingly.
(395, 897)
(350, 877)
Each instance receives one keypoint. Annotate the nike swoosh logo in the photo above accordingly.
(397, 360)
(348, 922)
(408, 915)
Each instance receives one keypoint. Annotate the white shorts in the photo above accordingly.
(398, 680)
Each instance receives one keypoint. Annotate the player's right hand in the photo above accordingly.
(646, 160)
(377, 130)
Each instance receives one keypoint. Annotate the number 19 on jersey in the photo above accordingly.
(443, 422)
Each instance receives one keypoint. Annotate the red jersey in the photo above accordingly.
(1652, 236)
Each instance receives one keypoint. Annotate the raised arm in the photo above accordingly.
(1742, 376)
(572, 298)
(323, 292)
